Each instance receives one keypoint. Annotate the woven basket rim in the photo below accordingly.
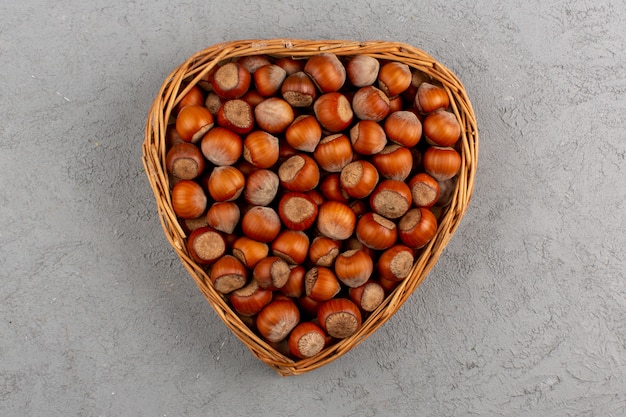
(190, 72)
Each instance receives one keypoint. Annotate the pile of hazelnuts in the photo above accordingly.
(307, 187)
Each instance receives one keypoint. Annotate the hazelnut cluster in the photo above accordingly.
(308, 186)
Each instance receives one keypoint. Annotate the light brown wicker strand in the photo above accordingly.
(195, 68)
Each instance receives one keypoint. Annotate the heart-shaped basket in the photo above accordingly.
(196, 68)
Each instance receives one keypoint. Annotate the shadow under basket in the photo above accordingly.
(192, 72)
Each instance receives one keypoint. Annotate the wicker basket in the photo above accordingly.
(196, 67)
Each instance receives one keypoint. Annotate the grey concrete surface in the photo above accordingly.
(524, 315)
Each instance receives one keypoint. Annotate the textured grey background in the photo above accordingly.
(524, 315)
